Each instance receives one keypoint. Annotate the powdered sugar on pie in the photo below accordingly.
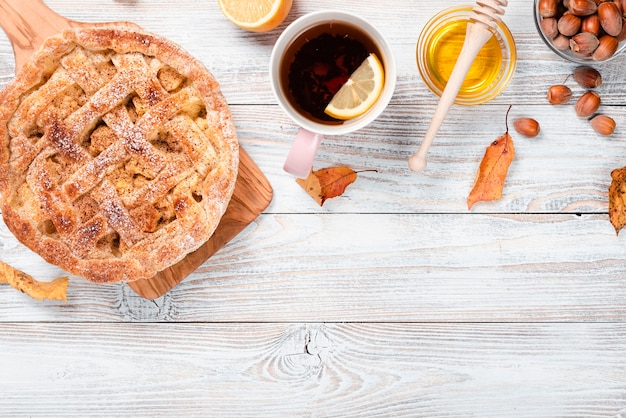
(118, 154)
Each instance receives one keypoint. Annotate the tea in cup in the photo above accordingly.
(312, 59)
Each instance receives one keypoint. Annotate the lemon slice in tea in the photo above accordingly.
(360, 92)
(256, 15)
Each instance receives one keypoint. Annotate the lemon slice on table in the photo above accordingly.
(256, 15)
(360, 92)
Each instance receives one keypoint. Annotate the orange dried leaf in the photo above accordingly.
(54, 290)
(617, 199)
(493, 169)
(328, 182)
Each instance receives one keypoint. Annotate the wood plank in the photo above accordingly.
(246, 71)
(377, 267)
(565, 169)
(313, 369)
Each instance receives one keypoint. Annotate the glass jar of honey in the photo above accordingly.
(439, 46)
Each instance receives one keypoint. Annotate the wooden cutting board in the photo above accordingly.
(27, 23)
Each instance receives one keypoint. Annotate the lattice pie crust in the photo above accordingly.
(118, 154)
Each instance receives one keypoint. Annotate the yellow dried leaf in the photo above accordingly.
(54, 290)
(617, 199)
(313, 187)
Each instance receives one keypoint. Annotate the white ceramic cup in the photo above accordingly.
(300, 158)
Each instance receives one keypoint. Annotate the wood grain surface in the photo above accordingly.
(314, 369)
(391, 300)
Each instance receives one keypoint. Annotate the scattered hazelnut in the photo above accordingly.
(607, 45)
(587, 104)
(587, 77)
(611, 18)
(584, 43)
(559, 94)
(527, 126)
(602, 124)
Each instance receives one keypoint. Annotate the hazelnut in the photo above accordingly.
(569, 25)
(582, 7)
(549, 27)
(548, 8)
(611, 18)
(527, 126)
(606, 48)
(602, 124)
(587, 104)
(561, 42)
(584, 43)
(587, 77)
(591, 24)
(559, 94)
(622, 34)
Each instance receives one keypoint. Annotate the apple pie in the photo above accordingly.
(118, 153)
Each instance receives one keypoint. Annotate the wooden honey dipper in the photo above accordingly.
(480, 28)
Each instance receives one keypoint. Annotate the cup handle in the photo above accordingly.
(300, 158)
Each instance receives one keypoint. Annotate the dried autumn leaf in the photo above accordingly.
(328, 182)
(617, 199)
(493, 169)
(54, 290)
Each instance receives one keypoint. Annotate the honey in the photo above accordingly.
(439, 47)
(446, 46)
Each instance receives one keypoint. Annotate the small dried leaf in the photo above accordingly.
(617, 199)
(54, 290)
(328, 182)
(312, 186)
(492, 172)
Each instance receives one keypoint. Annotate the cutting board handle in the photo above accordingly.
(27, 23)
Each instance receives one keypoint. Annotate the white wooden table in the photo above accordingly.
(392, 300)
